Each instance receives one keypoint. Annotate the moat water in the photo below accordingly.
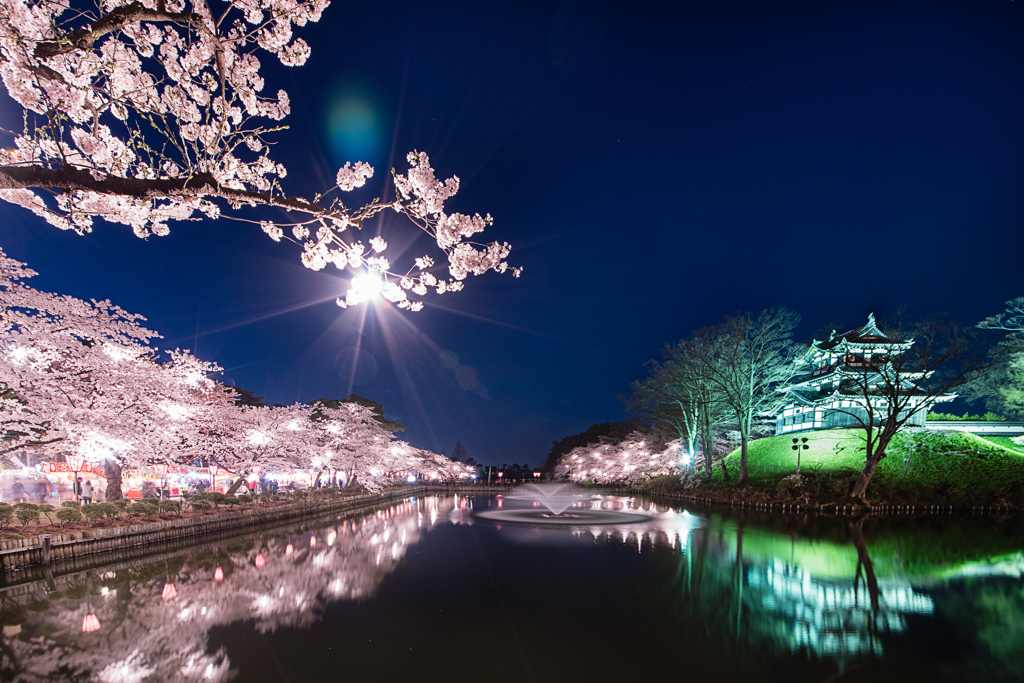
(429, 589)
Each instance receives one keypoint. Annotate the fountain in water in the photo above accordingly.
(557, 498)
(554, 501)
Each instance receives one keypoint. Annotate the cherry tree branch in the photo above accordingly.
(83, 38)
(71, 179)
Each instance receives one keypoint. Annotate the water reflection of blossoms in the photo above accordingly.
(152, 618)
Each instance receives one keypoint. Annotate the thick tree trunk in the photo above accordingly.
(112, 469)
(743, 455)
(707, 446)
(861, 486)
(235, 485)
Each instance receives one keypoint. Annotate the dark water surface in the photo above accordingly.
(424, 590)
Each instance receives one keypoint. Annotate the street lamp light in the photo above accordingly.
(797, 447)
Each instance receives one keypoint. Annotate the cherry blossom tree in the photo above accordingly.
(154, 111)
(80, 377)
(630, 461)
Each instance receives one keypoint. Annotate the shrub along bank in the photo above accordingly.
(921, 468)
(29, 519)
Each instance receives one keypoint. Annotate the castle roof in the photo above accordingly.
(869, 334)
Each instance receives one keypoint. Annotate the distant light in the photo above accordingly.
(411, 478)
(170, 592)
(218, 575)
(260, 561)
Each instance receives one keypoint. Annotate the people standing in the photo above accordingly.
(87, 491)
(78, 488)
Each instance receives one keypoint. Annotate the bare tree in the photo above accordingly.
(746, 358)
(459, 452)
(679, 394)
(887, 391)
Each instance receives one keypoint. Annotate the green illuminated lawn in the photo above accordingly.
(957, 468)
(963, 457)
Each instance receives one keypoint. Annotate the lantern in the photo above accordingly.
(289, 550)
(169, 592)
(162, 469)
(218, 575)
(312, 541)
(256, 470)
(74, 462)
(90, 623)
(214, 470)
(260, 561)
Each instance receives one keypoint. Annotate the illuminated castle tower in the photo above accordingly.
(843, 372)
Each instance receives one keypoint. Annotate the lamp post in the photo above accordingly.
(797, 446)
(214, 471)
(536, 476)
(75, 463)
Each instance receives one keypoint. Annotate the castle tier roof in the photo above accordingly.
(824, 399)
(868, 335)
(840, 372)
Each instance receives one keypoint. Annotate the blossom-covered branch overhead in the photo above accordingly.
(154, 111)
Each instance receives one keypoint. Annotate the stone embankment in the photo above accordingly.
(824, 508)
(58, 548)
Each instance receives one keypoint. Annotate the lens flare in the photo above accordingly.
(365, 287)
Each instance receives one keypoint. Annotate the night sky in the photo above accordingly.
(655, 167)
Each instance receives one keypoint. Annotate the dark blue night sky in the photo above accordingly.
(655, 167)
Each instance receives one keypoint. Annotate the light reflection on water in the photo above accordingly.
(839, 591)
(143, 636)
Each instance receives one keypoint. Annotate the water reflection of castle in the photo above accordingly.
(831, 618)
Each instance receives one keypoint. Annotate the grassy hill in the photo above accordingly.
(954, 467)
